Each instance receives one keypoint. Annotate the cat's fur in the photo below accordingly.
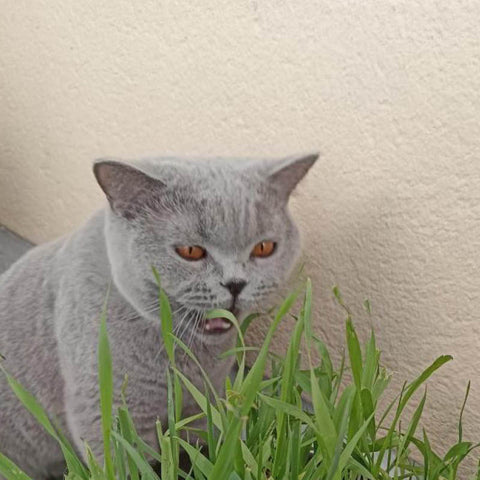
(51, 299)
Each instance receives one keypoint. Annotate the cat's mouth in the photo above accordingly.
(218, 325)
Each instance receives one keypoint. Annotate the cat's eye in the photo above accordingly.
(263, 249)
(193, 252)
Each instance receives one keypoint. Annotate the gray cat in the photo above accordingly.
(219, 233)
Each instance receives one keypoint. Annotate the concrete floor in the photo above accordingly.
(12, 247)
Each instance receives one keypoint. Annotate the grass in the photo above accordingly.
(301, 423)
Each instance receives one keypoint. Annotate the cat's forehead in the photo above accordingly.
(230, 219)
(213, 183)
(219, 200)
(202, 171)
(237, 212)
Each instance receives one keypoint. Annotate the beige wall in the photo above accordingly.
(387, 90)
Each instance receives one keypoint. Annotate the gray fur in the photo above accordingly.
(50, 300)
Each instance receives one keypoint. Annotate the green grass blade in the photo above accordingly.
(197, 458)
(412, 388)
(348, 450)
(248, 393)
(206, 379)
(105, 378)
(371, 363)
(35, 408)
(255, 375)
(355, 354)
(201, 400)
(460, 423)
(143, 466)
(96, 472)
(166, 321)
(248, 457)
(210, 432)
(409, 391)
(323, 419)
(10, 471)
(291, 410)
(287, 382)
(411, 429)
(171, 426)
(128, 433)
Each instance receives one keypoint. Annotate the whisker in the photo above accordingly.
(174, 330)
(186, 324)
(198, 317)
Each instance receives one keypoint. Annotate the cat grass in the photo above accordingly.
(313, 423)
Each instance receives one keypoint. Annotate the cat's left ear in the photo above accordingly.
(285, 174)
(128, 189)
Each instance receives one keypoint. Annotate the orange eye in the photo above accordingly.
(263, 249)
(191, 252)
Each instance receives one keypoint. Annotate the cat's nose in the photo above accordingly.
(235, 286)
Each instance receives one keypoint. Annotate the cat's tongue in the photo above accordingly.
(217, 325)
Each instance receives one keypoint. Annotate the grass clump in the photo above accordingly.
(301, 423)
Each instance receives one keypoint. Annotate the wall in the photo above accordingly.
(388, 91)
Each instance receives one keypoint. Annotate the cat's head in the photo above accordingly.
(218, 231)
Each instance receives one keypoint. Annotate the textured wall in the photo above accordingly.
(388, 91)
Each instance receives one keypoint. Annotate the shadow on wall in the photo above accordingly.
(12, 247)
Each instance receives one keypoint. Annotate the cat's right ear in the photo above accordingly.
(286, 174)
(126, 188)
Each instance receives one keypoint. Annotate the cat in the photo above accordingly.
(220, 235)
